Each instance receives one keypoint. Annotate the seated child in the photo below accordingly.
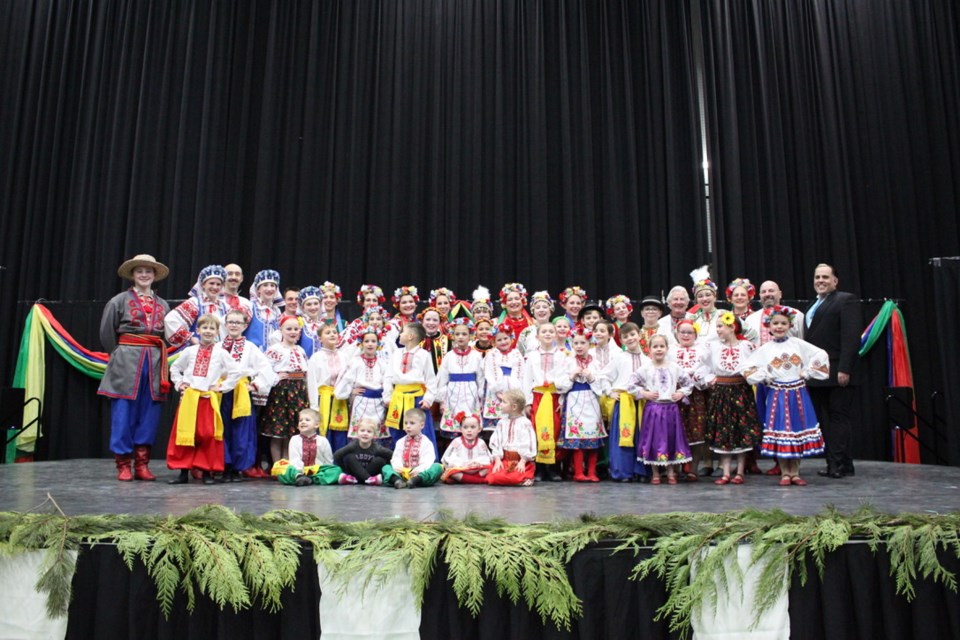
(467, 459)
(513, 444)
(363, 459)
(413, 463)
(309, 458)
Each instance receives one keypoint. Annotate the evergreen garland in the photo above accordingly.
(241, 559)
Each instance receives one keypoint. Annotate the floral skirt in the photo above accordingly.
(732, 425)
(693, 412)
(279, 418)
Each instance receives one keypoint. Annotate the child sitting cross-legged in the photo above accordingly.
(412, 464)
(309, 458)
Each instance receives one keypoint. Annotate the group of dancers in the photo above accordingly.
(455, 393)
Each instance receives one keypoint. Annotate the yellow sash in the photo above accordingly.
(543, 425)
(606, 407)
(404, 397)
(627, 427)
(241, 399)
(333, 412)
(187, 416)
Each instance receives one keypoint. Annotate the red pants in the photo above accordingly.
(206, 452)
(508, 475)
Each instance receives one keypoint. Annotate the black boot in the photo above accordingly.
(183, 478)
(208, 478)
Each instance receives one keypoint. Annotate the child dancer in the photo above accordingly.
(583, 429)
(484, 340)
(545, 380)
(541, 306)
(564, 329)
(502, 368)
(693, 412)
(266, 301)
(409, 382)
(196, 439)
(239, 420)
(467, 459)
(435, 341)
(323, 370)
(414, 458)
(739, 294)
(732, 428)
(363, 459)
(791, 430)
(624, 419)
(589, 316)
(604, 351)
(362, 384)
(288, 397)
(309, 458)
(310, 303)
(459, 381)
(619, 307)
(662, 384)
(513, 445)
(369, 296)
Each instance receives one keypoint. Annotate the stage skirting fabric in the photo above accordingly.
(735, 575)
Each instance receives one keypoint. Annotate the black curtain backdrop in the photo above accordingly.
(855, 599)
(455, 142)
(946, 287)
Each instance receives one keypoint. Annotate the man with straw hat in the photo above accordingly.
(136, 378)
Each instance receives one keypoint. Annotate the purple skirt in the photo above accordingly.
(662, 437)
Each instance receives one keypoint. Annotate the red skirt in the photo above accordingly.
(508, 475)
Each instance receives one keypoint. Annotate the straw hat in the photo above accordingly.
(143, 260)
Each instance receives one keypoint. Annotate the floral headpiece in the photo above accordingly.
(481, 321)
(575, 290)
(778, 310)
(542, 296)
(377, 310)
(481, 298)
(211, 271)
(581, 330)
(462, 321)
(263, 277)
(308, 293)
(701, 280)
(404, 291)
(434, 309)
(513, 287)
(463, 415)
(741, 282)
(329, 287)
(368, 289)
(617, 299)
(731, 320)
(442, 291)
(497, 329)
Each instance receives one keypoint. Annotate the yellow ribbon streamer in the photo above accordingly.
(333, 412)
(241, 399)
(404, 397)
(187, 416)
(543, 424)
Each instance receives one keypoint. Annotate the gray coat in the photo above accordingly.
(124, 314)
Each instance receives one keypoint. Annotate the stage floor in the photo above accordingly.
(89, 486)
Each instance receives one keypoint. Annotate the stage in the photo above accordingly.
(90, 487)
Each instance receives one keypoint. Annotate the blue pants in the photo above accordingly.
(134, 422)
(337, 439)
(239, 436)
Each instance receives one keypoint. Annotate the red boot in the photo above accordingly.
(123, 467)
(141, 458)
(592, 466)
(577, 462)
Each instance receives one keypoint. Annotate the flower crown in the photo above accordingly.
(481, 296)
(460, 417)
(329, 287)
(462, 321)
(701, 280)
(575, 290)
(731, 320)
(581, 330)
(442, 291)
(778, 310)
(542, 296)
(513, 287)
(741, 282)
(377, 310)
(434, 309)
(404, 291)
(617, 299)
(368, 289)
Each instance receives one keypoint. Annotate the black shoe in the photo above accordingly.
(399, 484)
(706, 472)
(848, 470)
(183, 478)
(836, 474)
(303, 481)
(208, 478)
(415, 482)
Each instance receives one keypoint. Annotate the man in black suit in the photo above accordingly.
(834, 324)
